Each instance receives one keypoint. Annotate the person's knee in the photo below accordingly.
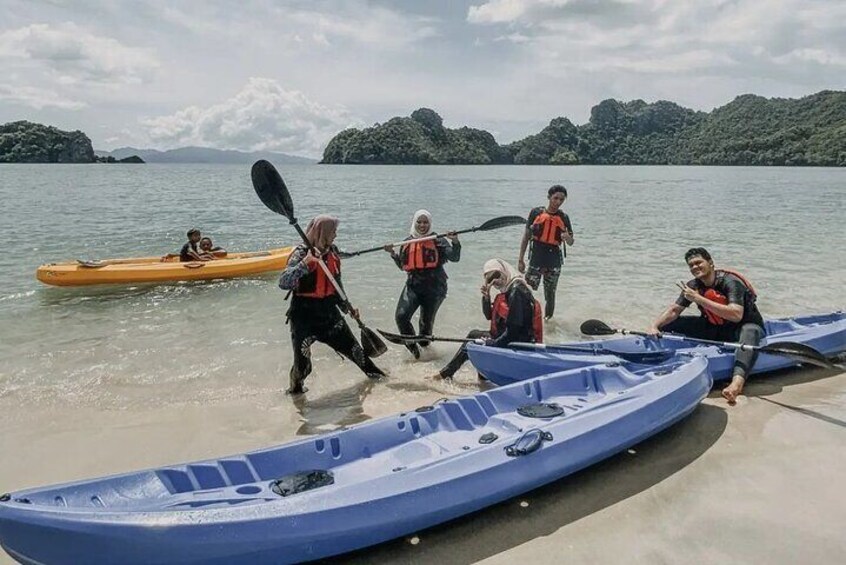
(476, 334)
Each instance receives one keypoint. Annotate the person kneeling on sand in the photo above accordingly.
(726, 302)
(515, 315)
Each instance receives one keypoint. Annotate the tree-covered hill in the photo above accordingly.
(750, 130)
(27, 142)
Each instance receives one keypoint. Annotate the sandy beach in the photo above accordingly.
(757, 482)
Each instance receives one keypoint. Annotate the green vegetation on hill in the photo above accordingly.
(27, 142)
(750, 130)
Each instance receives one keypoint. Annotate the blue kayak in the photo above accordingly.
(348, 489)
(824, 332)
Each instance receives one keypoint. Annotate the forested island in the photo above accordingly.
(750, 130)
(28, 142)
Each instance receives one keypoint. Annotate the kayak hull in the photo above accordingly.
(154, 270)
(824, 332)
(389, 477)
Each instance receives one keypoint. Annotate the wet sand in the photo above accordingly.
(757, 482)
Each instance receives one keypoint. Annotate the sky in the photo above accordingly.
(287, 76)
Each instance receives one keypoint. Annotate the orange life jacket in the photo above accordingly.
(719, 298)
(548, 228)
(316, 284)
(499, 313)
(420, 255)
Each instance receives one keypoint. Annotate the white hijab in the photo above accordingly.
(417, 215)
(509, 274)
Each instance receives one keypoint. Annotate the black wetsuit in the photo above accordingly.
(425, 289)
(317, 319)
(518, 326)
(545, 260)
(184, 255)
(750, 329)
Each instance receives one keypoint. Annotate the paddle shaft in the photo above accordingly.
(323, 266)
(676, 337)
(397, 244)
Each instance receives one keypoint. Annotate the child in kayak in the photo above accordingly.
(726, 302)
(426, 285)
(550, 232)
(208, 251)
(514, 314)
(315, 312)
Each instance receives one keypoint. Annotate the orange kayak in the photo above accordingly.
(154, 269)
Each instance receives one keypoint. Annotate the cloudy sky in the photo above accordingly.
(287, 75)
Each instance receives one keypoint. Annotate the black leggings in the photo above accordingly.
(699, 327)
(336, 335)
(460, 356)
(409, 301)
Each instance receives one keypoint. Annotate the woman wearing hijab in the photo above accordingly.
(514, 314)
(315, 312)
(426, 286)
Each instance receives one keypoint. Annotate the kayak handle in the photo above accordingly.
(528, 443)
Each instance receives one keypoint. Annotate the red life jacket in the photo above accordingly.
(719, 298)
(316, 284)
(548, 228)
(499, 314)
(420, 255)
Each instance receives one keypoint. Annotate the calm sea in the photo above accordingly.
(133, 346)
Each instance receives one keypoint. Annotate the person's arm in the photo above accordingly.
(296, 269)
(219, 253)
(524, 243)
(194, 255)
(487, 308)
(733, 311)
(567, 236)
(452, 250)
(671, 313)
(396, 256)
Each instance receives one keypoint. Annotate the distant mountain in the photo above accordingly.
(204, 155)
(750, 130)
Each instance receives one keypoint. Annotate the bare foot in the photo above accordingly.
(733, 390)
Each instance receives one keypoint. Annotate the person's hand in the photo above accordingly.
(521, 265)
(389, 248)
(354, 313)
(653, 331)
(452, 236)
(486, 289)
(311, 260)
(689, 293)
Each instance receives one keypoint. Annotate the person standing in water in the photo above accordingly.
(315, 312)
(514, 314)
(726, 302)
(550, 232)
(426, 285)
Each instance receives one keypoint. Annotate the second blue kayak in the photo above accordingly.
(824, 332)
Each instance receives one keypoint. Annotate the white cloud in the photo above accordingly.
(261, 117)
(37, 98)
(74, 55)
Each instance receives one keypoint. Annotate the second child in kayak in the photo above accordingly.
(426, 285)
(315, 312)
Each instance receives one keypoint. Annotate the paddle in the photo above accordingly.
(492, 224)
(274, 194)
(797, 351)
(634, 357)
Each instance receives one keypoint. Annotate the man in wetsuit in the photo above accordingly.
(728, 313)
(550, 231)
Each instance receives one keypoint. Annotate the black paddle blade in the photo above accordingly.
(502, 222)
(798, 351)
(596, 327)
(371, 343)
(271, 188)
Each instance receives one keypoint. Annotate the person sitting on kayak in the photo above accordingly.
(728, 313)
(514, 314)
(191, 250)
(426, 285)
(208, 251)
(550, 232)
(315, 312)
